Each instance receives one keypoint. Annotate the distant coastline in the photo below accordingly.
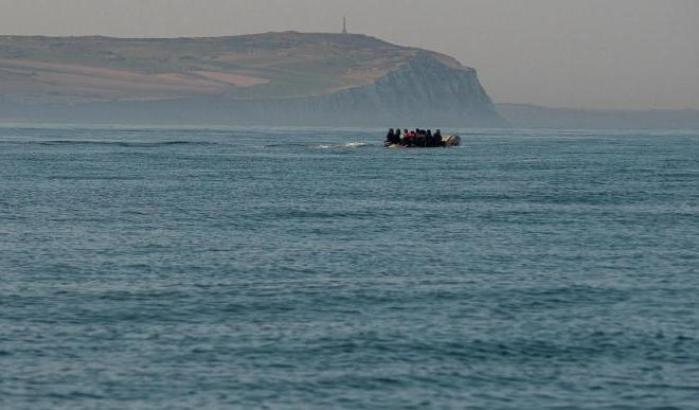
(288, 78)
(535, 116)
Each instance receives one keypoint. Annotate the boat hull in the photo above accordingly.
(448, 141)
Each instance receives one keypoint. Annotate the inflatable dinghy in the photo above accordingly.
(447, 141)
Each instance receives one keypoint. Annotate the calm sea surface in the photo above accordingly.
(277, 268)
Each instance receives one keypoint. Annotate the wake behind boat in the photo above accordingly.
(420, 139)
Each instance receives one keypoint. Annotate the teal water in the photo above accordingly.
(281, 268)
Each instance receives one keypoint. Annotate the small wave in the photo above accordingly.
(356, 144)
(137, 144)
(282, 145)
(319, 146)
(347, 145)
(132, 144)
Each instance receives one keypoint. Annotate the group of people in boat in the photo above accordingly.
(414, 138)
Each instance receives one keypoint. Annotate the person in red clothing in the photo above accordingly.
(411, 138)
(405, 136)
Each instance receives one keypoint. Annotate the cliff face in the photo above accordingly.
(421, 92)
(424, 90)
(270, 79)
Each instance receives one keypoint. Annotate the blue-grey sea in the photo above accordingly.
(216, 268)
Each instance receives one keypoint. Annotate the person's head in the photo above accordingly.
(391, 131)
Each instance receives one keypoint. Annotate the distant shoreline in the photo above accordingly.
(535, 116)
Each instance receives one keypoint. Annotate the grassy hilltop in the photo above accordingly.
(252, 66)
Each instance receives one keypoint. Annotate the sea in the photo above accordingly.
(311, 268)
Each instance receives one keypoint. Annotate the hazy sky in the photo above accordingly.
(575, 53)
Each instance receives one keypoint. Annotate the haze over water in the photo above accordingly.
(218, 268)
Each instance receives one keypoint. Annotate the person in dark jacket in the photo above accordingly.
(390, 137)
(420, 139)
(438, 142)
